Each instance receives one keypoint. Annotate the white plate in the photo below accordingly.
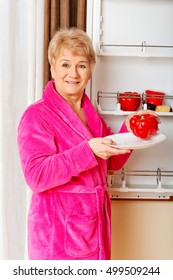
(130, 141)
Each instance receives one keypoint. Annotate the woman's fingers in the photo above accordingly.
(102, 148)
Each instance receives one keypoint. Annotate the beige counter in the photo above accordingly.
(142, 230)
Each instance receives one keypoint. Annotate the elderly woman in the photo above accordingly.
(65, 157)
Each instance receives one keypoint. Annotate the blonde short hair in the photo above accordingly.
(74, 39)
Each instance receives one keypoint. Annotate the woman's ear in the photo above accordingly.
(52, 71)
(90, 75)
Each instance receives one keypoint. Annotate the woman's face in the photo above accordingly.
(71, 73)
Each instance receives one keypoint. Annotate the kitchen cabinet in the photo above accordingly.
(134, 45)
(138, 27)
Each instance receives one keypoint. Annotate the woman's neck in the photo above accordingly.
(76, 104)
(75, 101)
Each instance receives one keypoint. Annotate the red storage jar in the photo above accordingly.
(154, 97)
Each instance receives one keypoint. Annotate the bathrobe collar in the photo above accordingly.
(62, 108)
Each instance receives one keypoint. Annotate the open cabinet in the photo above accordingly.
(133, 40)
(134, 46)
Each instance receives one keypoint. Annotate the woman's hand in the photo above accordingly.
(140, 112)
(101, 147)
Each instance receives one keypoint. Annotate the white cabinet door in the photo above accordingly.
(136, 27)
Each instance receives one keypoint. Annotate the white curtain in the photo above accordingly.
(21, 63)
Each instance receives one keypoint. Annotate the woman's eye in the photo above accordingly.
(82, 66)
(64, 65)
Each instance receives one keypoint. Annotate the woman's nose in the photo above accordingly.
(73, 72)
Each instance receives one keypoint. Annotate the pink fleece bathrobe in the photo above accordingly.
(69, 215)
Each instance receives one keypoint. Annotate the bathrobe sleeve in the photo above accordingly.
(44, 167)
(118, 161)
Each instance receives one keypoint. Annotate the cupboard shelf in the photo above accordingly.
(135, 51)
(142, 50)
(121, 189)
(140, 193)
(125, 113)
(105, 96)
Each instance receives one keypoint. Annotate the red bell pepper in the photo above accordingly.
(153, 123)
(144, 125)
